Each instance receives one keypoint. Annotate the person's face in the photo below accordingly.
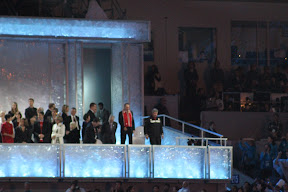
(259, 187)
(67, 109)
(40, 116)
(94, 108)
(31, 103)
(88, 118)
(22, 122)
(54, 113)
(100, 107)
(155, 189)
(154, 114)
(18, 115)
(127, 107)
(174, 189)
(57, 121)
(32, 120)
(112, 119)
(53, 107)
(166, 188)
(118, 186)
(266, 147)
(185, 184)
(13, 106)
(73, 112)
(269, 140)
(133, 189)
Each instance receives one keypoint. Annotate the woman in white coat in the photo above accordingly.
(58, 131)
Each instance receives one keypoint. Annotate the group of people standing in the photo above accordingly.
(98, 126)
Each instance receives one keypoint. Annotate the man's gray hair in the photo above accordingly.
(154, 110)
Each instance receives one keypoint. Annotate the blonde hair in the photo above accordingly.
(64, 107)
(59, 118)
(72, 126)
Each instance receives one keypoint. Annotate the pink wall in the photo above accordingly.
(190, 13)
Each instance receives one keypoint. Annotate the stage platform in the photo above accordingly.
(65, 162)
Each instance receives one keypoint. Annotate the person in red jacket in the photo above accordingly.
(7, 130)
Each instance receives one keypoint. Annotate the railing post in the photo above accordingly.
(202, 141)
(164, 123)
(225, 142)
(183, 126)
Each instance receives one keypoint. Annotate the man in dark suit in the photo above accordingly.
(108, 131)
(92, 131)
(103, 114)
(48, 114)
(92, 111)
(42, 133)
(31, 111)
(73, 135)
(126, 120)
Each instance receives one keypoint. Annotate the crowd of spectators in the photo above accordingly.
(270, 165)
(54, 126)
(118, 186)
(221, 87)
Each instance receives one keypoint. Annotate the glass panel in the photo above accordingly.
(139, 161)
(220, 162)
(94, 161)
(29, 160)
(179, 162)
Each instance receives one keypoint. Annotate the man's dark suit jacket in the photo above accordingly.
(46, 131)
(121, 121)
(74, 135)
(108, 133)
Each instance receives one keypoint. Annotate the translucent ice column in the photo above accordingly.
(179, 162)
(31, 160)
(220, 161)
(139, 161)
(94, 161)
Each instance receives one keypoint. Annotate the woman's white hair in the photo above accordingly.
(111, 116)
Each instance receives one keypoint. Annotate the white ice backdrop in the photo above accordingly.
(31, 69)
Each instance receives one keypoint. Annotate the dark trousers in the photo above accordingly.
(123, 135)
(155, 140)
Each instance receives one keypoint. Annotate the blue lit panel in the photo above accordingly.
(29, 160)
(139, 161)
(170, 135)
(179, 162)
(94, 161)
(220, 162)
(75, 28)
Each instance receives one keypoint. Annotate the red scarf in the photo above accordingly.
(127, 117)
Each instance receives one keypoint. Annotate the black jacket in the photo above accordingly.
(91, 114)
(90, 134)
(48, 115)
(30, 112)
(121, 121)
(153, 128)
(46, 131)
(108, 133)
(21, 136)
(74, 135)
